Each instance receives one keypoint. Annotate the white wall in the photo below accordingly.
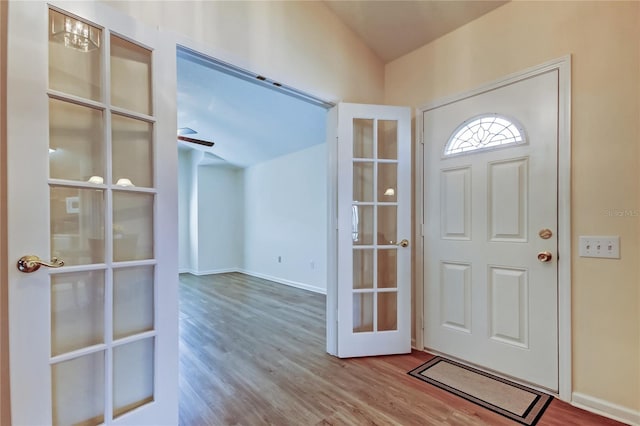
(286, 216)
(220, 219)
(244, 219)
(184, 197)
(210, 215)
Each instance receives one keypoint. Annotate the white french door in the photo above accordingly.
(374, 227)
(92, 192)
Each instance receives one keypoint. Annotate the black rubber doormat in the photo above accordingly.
(512, 400)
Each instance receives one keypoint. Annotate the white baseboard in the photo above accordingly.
(606, 408)
(290, 283)
(278, 280)
(208, 272)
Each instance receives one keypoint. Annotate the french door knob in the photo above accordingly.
(403, 243)
(31, 263)
(545, 256)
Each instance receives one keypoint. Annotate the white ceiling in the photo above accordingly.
(248, 121)
(393, 28)
(252, 121)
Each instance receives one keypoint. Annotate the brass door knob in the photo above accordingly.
(403, 243)
(545, 256)
(31, 263)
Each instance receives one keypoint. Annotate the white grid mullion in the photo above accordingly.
(108, 231)
(155, 230)
(375, 225)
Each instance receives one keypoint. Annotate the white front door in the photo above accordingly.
(490, 203)
(374, 227)
(91, 184)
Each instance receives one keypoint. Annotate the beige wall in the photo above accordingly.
(604, 41)
(301, 44)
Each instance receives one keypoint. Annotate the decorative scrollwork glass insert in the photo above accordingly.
(484, 132)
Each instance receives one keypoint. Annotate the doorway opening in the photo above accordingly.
(254, 202)
(252, 212)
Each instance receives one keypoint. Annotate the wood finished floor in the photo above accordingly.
(252, 352)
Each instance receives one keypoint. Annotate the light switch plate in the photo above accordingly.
(600, 246)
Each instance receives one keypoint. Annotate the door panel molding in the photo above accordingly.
(563, 65)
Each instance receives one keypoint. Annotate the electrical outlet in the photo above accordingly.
(600, 246)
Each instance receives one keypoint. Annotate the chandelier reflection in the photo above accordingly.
(72, 32)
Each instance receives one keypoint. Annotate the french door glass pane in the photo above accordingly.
(362, 219)
(132, 159)
(388, 139)
(387, 268)
(132, 301)
(132, 226)
(362, 312)
(77, 311)
(78, 390)
(387, 225)
(387, 182)
(75, 60)
(132, 375)
(362, 138)
(387, 311)
(76, 141)
(130, 76)
(77, 225)
(363, 182)
(362, 268)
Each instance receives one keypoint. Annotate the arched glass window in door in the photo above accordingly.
(486, 131)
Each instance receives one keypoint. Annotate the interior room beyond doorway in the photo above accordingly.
(256, 201)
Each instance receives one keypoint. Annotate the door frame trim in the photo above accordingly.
(5, 394)
(563, 65)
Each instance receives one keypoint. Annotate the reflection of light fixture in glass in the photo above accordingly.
(72, 32)
(96, 179)
(52, 150)
(390, 192)
(124, 182)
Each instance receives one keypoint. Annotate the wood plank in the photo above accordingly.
(252, 352)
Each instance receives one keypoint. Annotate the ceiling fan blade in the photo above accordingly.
(198, 141)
